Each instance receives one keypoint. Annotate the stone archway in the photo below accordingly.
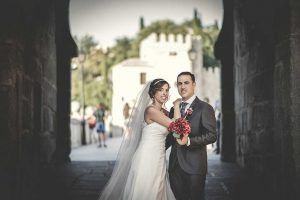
(36, 48)
(224, 51)
(260, 46)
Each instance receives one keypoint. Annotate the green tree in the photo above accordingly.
(95, 76)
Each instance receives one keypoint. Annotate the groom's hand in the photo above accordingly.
(183, 140)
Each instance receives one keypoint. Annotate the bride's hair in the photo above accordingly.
(156, 85)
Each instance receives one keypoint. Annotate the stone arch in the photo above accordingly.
(36, 48)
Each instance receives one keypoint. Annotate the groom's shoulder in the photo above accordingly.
(203, 104)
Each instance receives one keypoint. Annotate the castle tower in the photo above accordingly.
(168, 56)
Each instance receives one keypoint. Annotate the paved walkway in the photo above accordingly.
(90, 169)
(94, 153)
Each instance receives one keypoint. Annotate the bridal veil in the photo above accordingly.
(115, 186)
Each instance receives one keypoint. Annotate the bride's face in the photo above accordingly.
(162, 95)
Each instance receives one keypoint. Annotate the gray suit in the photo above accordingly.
(188, 164)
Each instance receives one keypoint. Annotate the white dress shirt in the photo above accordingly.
(189, 101)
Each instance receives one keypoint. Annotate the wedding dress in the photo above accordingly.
(148, 177)
(140, 171)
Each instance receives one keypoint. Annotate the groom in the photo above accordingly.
(188, 158)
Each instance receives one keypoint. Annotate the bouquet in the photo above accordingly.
(181, 126)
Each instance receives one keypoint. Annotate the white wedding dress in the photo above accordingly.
(148, 177)
(140, 171)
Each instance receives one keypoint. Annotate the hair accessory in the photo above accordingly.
(160, 80)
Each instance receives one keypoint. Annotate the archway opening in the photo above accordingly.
(141, 40)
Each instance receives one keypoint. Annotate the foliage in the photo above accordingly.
(97, 88)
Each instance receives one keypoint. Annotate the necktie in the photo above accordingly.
(182, 108)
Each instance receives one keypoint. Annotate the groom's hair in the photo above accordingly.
(188, 74)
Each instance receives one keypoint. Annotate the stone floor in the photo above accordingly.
(90, 169)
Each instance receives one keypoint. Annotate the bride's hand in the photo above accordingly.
(183, 140)
(177, 102)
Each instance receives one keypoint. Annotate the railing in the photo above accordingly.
(76, 133)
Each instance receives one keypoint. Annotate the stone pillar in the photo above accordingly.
(286, 101)
(66, 49)
(224, 52)
(30, 62)
(295, 91)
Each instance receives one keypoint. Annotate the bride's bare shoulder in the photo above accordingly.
(149, 110)
(148, 114)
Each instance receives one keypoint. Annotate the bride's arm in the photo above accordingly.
(176, 106)
(154, 115)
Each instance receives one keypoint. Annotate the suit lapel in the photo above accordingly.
(195, 106)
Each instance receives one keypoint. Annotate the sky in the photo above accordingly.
(107, 20)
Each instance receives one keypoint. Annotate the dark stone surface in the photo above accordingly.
(85, 180)
(224, 51)
(28, 91)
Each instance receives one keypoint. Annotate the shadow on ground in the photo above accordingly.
(80, 180)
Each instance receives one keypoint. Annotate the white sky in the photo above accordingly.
(107, 20)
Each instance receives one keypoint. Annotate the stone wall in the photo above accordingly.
(266, 95)
(211, 84)
(28, 94)
(295, 88)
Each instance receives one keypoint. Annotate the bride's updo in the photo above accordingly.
(156, 85)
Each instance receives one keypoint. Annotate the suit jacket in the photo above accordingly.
(193, 158)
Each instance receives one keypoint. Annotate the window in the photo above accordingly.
(173, 53)
(142, 78)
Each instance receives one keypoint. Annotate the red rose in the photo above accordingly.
(189, 111)
(180, 127)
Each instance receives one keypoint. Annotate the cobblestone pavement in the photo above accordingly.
(83, 178)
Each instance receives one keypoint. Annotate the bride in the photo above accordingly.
(140, 170)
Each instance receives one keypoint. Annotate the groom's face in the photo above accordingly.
(186, 87)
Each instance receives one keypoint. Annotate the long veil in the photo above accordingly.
(114, 188)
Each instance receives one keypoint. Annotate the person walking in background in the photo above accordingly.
(100, 125)
(206, 99)
(126, 114)
(218, 117)
(108, 124)
(217, 150)
(92, 124)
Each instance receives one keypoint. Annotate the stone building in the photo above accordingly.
(162, 56)
(258, 47)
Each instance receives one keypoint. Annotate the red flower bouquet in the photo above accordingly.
(180, 127)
